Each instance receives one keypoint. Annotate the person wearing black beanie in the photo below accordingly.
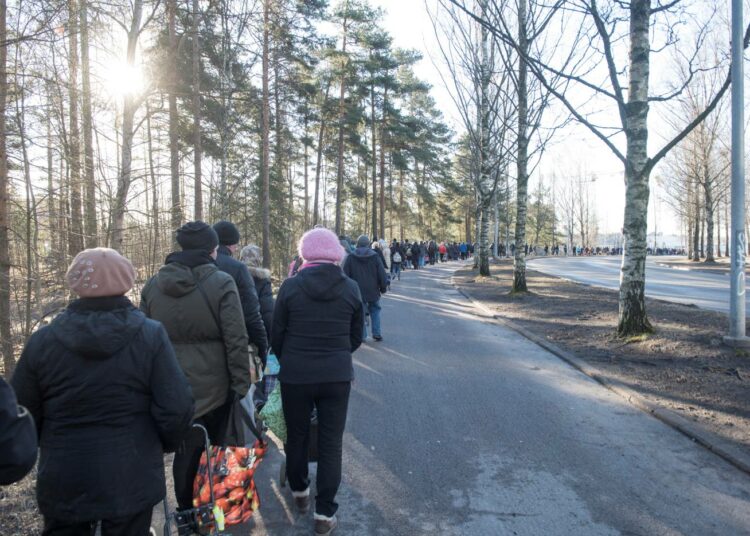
(227, 232)
(229, 238)
(200, 307)
(197, 235)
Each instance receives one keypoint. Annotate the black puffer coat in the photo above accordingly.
(366, 268)
(256, 331)
(317, 324)
(108, 397)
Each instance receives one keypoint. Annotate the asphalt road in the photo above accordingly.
(458, 426)
(703, 289)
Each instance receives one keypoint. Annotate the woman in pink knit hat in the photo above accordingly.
(108, 396)
(317, 324)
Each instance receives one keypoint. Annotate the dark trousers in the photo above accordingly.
(188, 455)
(134, 525)
(331, 401)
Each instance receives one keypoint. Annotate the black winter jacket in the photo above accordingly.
(18, 443)
(366, 268)
(108, 397)
(256, 331)
(317, 324)
(262, 280)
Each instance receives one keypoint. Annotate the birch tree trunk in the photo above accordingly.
(266, 149)
(88, 143)
(522, 159)
(75, 243)
(126, 151)
(709, 201)
(632, 306)
(696, 225)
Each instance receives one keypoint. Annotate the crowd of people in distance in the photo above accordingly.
(575, 250)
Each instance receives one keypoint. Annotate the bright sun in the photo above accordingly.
(124, 80)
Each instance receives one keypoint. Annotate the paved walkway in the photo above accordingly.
(458, 426)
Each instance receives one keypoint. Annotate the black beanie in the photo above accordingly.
(227, 232)
(197, 235)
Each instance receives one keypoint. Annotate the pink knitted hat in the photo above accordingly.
(320, 245)
(100, 272)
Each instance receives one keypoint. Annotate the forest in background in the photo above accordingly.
(122, 119)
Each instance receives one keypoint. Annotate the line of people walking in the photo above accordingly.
(111, 387)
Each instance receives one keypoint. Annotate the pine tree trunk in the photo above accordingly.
(31, 212)
(382, 163)
(266, 149)
(52, 216)
(319, 161)
(632, 302)
(340, 158)
(374, 165)
(75, 243)
(401, 204)
(6, 342)
(306, 162)
(128, 132)
(174, 154)
(197, 144)
(522, 160)
(154, 194)
(88, 139)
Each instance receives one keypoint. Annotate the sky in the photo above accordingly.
(409, 24)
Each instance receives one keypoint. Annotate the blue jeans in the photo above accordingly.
(396, 270)
(374, 309)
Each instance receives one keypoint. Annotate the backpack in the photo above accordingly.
(396, 257)
(408, 252)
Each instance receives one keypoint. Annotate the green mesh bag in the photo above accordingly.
(273, 414)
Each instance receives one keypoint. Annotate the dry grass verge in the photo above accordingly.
(683, 366)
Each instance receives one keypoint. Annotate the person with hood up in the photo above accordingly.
(317, 325)
(229, 238)
(366, 268)
(200, 308)
(108, 397)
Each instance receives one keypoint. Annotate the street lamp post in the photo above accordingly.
(737, 337)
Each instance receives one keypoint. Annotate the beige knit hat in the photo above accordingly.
(100, 272)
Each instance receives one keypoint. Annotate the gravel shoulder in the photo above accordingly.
(682, 367)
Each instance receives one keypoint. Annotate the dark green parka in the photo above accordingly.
(214, 358)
